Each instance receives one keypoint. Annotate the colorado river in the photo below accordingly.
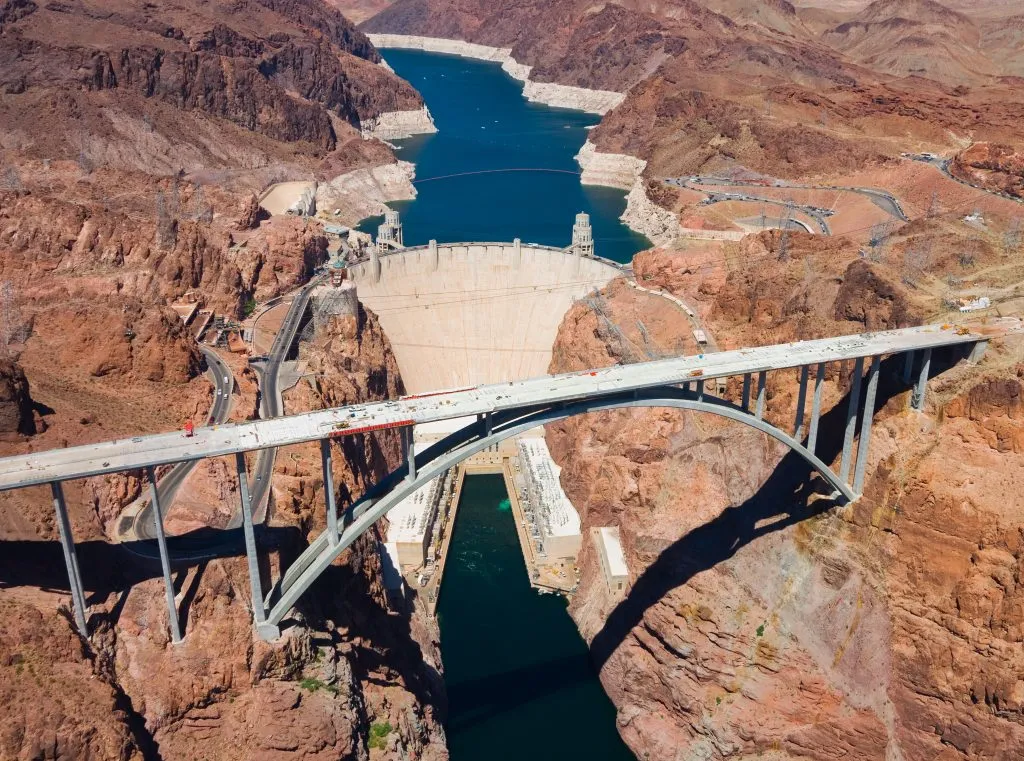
(485, 128)
(519, 677)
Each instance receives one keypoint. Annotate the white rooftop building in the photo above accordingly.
(556, 519)
(410, 525)
(612, 559)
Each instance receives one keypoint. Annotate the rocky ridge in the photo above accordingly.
(761, 622)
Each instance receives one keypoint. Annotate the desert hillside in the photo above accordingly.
(135, 140)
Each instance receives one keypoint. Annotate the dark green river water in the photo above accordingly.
(521, 686)
(520, 682)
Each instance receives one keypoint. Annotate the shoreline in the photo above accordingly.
(597, 102)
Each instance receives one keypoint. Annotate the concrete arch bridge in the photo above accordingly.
(496, 411)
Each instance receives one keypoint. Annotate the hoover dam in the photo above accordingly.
(465, 314)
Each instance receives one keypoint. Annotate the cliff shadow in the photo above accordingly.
(792, 493)
(377, 628)
(113, 569)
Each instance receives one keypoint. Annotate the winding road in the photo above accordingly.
(884, 200)
(271, 403)
(167, 487)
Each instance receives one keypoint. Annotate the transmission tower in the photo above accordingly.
(784, 240)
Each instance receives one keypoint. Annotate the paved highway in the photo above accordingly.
(271, 403)
(884, 200)
(942, 165)
(167, 487)
(130, 454)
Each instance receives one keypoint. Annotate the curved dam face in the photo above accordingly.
(465, 314)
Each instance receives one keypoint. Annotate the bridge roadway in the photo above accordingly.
(127, 454)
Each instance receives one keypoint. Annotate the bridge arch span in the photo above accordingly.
(484, 433)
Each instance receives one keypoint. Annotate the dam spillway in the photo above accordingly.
(465, 314)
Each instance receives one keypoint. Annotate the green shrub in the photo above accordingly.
(379, 732)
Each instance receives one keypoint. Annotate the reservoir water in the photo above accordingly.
(486, 128)
(519, 677)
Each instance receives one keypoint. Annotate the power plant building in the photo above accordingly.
(410, 525)
(555, 522)
(612, 559)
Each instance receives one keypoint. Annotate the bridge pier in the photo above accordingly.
(917, 398)
(865, 428)
(746, 391)
(908, 366)
(801, 402)
(812, 438)
(409, 450)
(329, 499)
(762, 382)
(67, 543)
(851, 419)
(165, 562)
(266, 630)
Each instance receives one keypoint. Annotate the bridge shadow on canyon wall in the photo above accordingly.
(378, 640)
(792, 493)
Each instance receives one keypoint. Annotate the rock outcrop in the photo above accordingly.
(15, 401)
(760, 621)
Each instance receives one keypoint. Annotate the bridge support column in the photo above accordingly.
(165, 561)
(801, 401)
(329, 499)
(812, 437)
(851, 419)
(746, 392)
(762, 382)
(488, 425)
(700, 390)
(409, 450)
(259, 611)
(865, 425)
(67, 543)
(908, 366)
(977, 352)
(917, 398)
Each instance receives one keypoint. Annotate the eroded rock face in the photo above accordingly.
(759, 622)
(15, 402)
(997, 167)
(58, 702)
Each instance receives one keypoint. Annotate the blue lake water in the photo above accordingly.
(486, 127)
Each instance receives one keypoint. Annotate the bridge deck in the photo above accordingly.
(158, 449)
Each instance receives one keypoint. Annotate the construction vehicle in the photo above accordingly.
(189, 429)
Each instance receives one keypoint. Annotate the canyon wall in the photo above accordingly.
(163, 123)
(549, 93)
(761, 621)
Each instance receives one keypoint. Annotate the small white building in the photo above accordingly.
(612, 559)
